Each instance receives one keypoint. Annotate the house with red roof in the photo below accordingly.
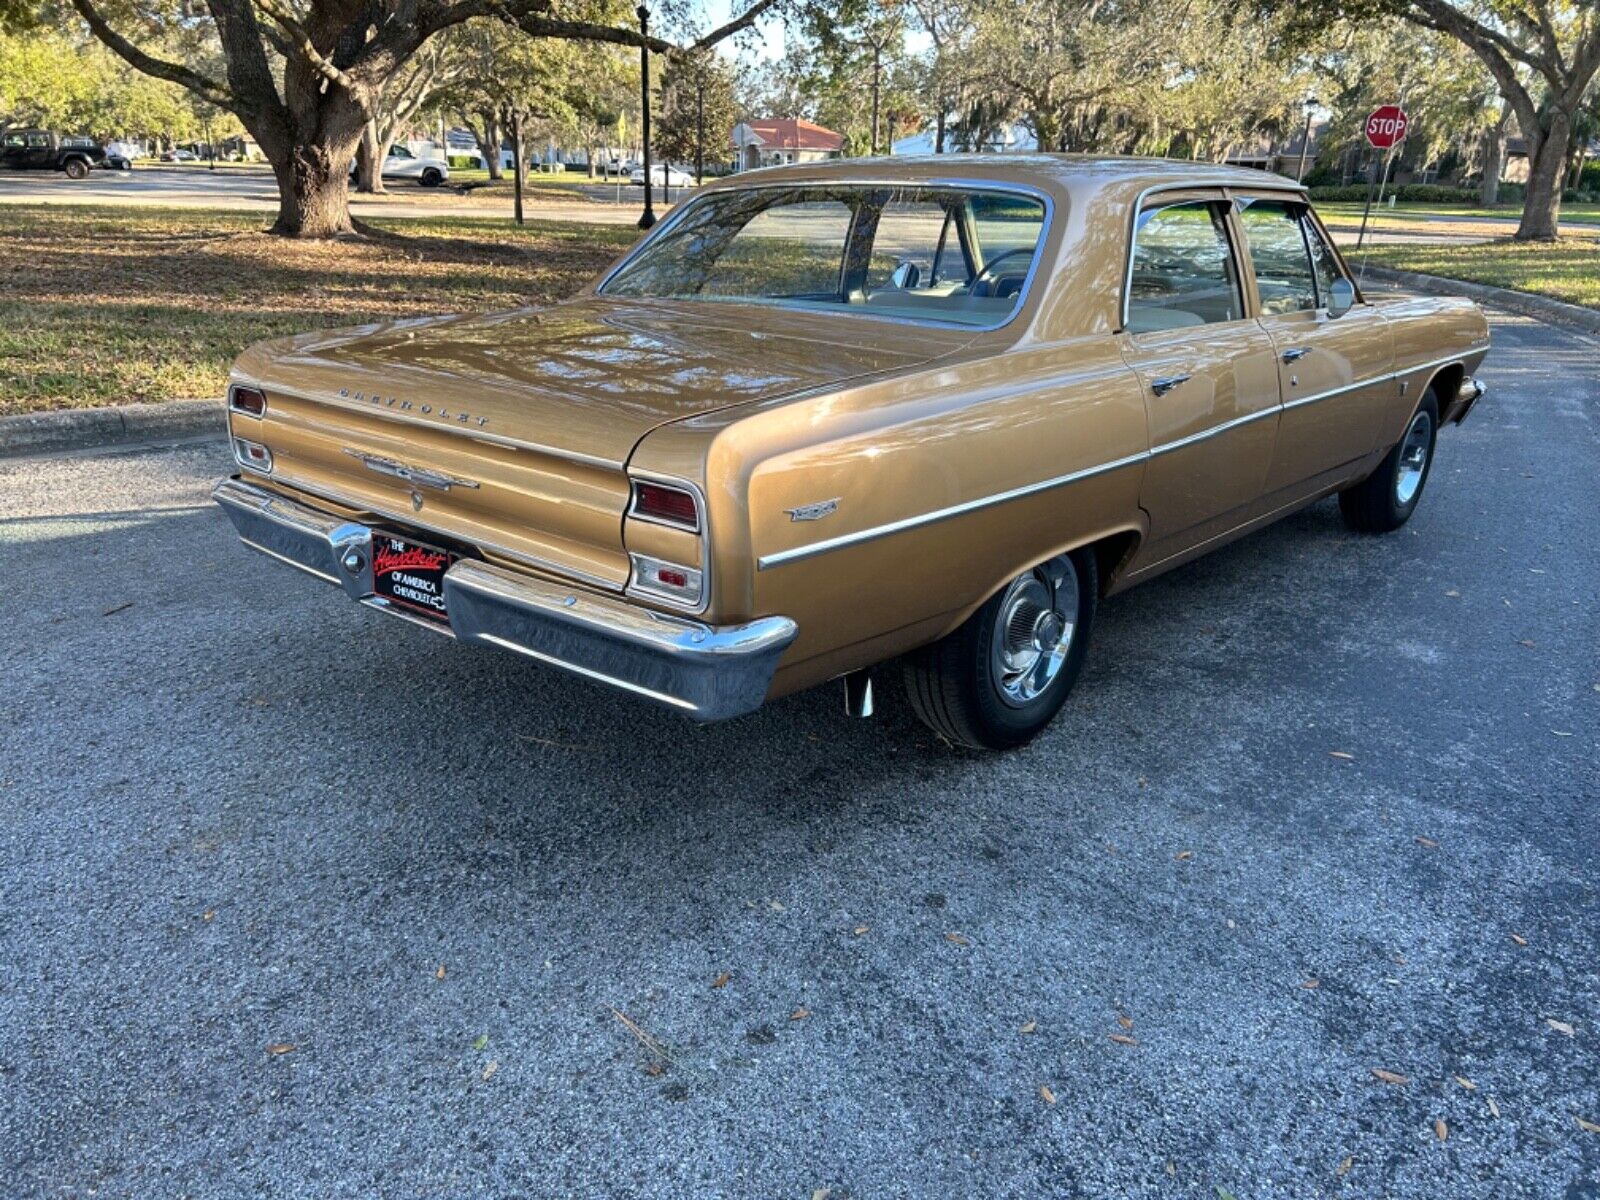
(773, 141)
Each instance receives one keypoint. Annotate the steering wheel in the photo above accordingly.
(987, 281)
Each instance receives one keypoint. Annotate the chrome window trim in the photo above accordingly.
(946, 183)
(1200, 184)
(780, 557)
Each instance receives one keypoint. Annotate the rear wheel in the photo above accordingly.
(1385, 500)
(1002, 676)
(76, 168)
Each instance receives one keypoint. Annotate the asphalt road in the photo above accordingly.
(242, 814)
(254, 190)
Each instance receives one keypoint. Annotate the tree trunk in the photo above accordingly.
(1494, 152)
(519, 168)
(877, 76)
(938, 132)
(313, 193)
(1547, 166)
(491, 145)
(370, 155)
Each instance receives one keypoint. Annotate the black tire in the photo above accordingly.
(76, 168)
(954, 685)
(1385, 500)
(431, 177)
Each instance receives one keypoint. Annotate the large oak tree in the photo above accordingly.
(305, 76)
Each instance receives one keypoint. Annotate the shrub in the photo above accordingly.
(1406, 193)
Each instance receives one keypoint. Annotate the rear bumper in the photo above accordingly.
(709, 672)
(1468, 394)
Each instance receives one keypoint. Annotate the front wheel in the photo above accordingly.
(1385, 500)
(1002, 676)
(431, 178)
(76, 168)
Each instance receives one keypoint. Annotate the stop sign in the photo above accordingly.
(1386, 126)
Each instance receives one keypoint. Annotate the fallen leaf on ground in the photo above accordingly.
(860, 929)
(1519, 939)
(1049, 1096)
(439, 974)
(654, 1067)
(721, 981)
(800, 1014)
(1441, 1130)
(1184, 855)
(1560, 1026)
(1125, 1021)
(1466, 1083)
(1587, 1126)
(479, 1042)
(957, 939)
(1427, 841)
(1399, 960)
(1391, 1076)
(1452, 592)
(1030, 1027)
(1344, 1166)
(1528, 643)
(775, 905)
(1123, 1039)
(1172, 1168)
(1494, 1109)
(1311, 983)
(1340, 754)
(821, 1194)
(488, 1072)
(208, 915)
(281, 1048)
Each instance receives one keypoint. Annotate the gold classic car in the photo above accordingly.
(826, 416)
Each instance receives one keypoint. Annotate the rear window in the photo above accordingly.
(944, 254)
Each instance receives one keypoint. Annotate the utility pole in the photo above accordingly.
(1305, 139)
(648, 217)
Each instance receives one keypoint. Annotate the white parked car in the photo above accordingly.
(663, 175)
(428, 169)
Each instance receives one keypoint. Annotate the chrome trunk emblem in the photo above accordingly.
(814, 512)
(417, 477)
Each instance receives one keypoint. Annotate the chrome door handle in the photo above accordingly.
(1296, 353)
(1166, 383)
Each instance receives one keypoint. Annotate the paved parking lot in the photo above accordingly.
(296, 901)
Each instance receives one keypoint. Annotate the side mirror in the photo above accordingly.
(906, 275)
(1341, 296)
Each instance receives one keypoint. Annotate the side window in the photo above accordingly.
(39, 141)
(1323, 265)
(14, 141)
(1183, 269)
(1285, 280)
(912, 231)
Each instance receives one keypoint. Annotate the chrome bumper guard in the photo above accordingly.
(706, 671)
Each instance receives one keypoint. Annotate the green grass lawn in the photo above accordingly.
(1586, 214)
(109, 305)
(1566, 270)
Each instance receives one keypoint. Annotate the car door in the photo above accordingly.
(1333, 370)
(1209, 372)
(40, 152)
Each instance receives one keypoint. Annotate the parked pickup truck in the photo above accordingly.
(41, 150)
(825, 416)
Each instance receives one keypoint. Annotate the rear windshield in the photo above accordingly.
(944, 254)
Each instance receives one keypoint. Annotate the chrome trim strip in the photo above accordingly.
(799, 552)
(703, 533)
(942, 182)
(780, 557)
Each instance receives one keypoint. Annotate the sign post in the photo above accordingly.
(1386, 129)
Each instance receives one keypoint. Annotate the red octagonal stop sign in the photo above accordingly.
(1386, 126)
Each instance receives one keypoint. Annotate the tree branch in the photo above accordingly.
(301, 41)
(200, 85)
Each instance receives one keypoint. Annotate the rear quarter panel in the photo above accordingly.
(893, 454)
(1435, 337)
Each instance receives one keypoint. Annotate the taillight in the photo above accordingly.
(669, 581)
(252, 456)
(252, 402)
(670, 505)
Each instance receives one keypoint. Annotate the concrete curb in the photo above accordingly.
(76, 428)
(1555, 312)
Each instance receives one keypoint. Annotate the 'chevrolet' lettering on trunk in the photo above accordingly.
(427, 410)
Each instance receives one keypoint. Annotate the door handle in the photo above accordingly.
(1166, 383)
(1296, 353)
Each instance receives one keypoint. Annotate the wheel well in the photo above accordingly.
(1111, 553)
(1446, 383)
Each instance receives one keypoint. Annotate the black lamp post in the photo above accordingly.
(648, 217)
(1305, 139)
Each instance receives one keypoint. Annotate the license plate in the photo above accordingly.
(410, 575)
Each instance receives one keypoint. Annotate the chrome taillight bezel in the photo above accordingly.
(236, 390)
(241, 455)
(682, 487)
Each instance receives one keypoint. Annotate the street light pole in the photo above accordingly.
(1305, 139)
(648, 217)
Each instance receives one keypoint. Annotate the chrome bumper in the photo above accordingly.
(708, 672)
(1468, 394)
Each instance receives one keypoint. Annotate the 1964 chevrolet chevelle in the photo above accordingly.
(827, 416)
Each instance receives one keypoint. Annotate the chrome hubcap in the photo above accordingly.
(1038, 616)
(1413, 458)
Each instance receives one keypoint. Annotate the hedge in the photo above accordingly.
(1406, 193)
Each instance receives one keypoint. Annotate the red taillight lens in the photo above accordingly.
(252, 402)
(674, 506)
